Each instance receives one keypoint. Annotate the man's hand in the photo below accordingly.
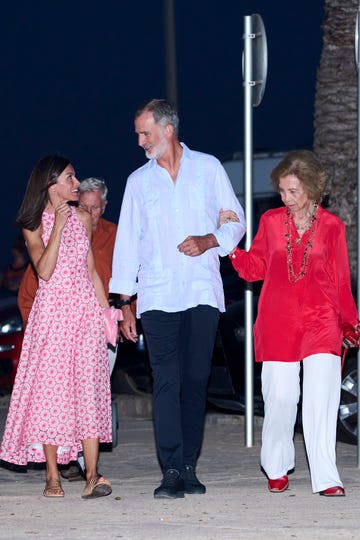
(128, 324)
(197, 245)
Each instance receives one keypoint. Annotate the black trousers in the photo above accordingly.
(180, 348)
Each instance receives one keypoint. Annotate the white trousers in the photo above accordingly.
(320, 403)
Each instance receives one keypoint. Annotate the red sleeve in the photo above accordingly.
(103, 241)
(342, 271)
(27, 291)
(251, 265)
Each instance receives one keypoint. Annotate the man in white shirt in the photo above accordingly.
(167, 252)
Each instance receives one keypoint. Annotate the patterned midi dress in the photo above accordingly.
(61, 393)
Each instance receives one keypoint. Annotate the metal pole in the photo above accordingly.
(358, 219)
(170, 52)
(248, 173)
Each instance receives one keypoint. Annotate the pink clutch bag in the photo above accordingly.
(111, 317)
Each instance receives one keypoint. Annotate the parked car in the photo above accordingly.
(263, 163)
(11, 336)
(348, 410)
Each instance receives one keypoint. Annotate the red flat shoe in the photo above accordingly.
(278, 484)
(335, 491)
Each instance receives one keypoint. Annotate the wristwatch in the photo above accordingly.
(121, 303)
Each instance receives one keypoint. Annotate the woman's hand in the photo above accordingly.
(225, 216)
(62, 213)
(350, 335)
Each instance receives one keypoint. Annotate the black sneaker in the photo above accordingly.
(171, 487)
(191, 482)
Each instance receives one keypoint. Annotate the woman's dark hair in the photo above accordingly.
(44, 175)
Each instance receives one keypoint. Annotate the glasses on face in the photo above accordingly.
(91, 209)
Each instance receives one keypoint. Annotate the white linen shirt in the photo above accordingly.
(156, 216)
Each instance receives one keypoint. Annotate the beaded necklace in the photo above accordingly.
(293, 277)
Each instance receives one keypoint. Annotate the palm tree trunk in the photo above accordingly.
(335, 120)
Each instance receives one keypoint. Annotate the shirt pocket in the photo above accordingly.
(151, 205)
(198, 196)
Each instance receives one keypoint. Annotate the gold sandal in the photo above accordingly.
(97, 487)
(53, 489)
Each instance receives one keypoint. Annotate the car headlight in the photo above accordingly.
(11, 325)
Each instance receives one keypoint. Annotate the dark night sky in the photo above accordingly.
(74, 72)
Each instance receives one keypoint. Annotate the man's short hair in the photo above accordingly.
(164, 113)
(94, 184)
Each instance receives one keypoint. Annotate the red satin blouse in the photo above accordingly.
(298, 319)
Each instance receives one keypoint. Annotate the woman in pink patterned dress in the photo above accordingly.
(61, 400)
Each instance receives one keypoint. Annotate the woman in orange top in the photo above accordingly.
(305, 307)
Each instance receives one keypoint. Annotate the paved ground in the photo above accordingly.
(237, 504)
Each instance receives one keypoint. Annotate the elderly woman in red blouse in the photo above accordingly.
(306, 312)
